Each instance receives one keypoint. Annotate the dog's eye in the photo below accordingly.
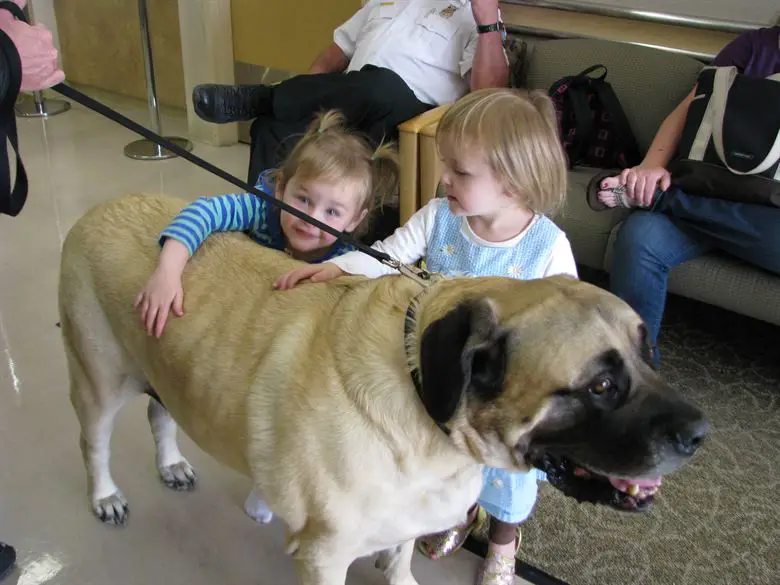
(602, 386)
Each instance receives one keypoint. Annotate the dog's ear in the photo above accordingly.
(463, 351)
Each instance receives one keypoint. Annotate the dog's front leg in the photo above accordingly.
(321, 562)
(396, 564)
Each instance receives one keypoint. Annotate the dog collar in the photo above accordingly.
(415, 372)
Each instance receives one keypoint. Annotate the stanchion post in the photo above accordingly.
(40, 107)
(146, 149)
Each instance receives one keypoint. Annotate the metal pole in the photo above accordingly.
(146, 149)
(40, 107)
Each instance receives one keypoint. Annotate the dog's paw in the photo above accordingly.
(179, 476)
(111, 510)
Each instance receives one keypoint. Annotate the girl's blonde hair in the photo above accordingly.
(517, 132)
(330, 151)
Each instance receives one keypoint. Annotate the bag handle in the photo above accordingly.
(587, 72)
(724, 79)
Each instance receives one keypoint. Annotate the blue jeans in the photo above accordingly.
(681, 227)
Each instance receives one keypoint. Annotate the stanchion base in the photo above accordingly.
(44, 109)
(147, 150)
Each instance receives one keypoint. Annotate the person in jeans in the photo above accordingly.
(668, 226)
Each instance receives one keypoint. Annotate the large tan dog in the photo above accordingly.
(362, 409)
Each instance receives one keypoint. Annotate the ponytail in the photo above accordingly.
(385, 171)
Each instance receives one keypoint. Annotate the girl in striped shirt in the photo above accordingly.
(332, 174)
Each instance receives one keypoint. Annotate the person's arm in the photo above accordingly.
(489, 66)
(668, 136)
(337, 56)
(642, 180)
(163, 292)
(331, 60)
(561, 259)
(206, 215)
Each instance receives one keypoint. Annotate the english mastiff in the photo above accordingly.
(363, 410)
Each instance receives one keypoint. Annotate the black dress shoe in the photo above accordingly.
(221, 104)
(7, 559)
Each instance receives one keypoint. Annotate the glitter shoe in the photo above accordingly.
(499, 569)
(437, 546)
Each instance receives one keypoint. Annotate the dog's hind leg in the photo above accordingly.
(175, 470)
(97, 404)
(102, 380)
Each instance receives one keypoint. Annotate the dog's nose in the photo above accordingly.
(688, 432)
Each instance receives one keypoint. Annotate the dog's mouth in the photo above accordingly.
(584, 485)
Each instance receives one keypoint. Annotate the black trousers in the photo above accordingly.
(374, 101)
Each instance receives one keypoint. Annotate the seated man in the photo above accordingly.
(669, 226)
(388, 63)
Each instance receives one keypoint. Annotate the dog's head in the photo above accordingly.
(552, 373)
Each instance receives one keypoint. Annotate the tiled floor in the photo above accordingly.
(75, 160)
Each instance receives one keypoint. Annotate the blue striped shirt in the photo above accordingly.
(237, 212)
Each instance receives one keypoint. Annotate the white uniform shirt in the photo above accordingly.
(430, 44)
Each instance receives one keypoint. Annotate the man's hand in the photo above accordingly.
(485, 11)
(314, 272)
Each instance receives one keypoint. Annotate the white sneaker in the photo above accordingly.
(257, 509)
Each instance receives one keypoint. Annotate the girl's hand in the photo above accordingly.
(163, 290)
(314, 272)
(162, 294)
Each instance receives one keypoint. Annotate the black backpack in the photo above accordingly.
(594, 129)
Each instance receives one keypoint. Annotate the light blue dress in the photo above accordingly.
(507, 496)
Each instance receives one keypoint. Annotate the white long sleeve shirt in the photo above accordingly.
(411, 242)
